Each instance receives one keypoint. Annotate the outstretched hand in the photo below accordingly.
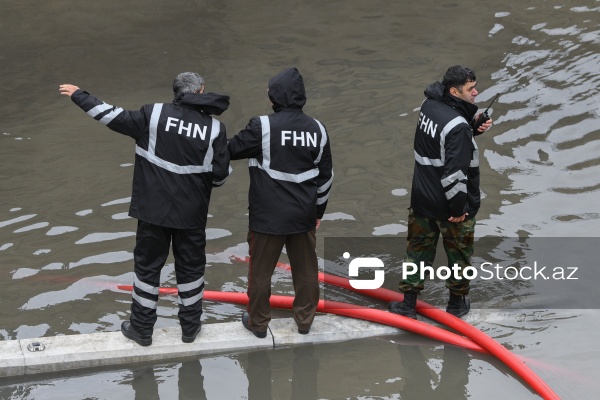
(67, 89)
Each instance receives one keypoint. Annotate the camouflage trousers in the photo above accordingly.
(422, 239)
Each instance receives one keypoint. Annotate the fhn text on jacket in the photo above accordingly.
(290, 162)
(171, 188)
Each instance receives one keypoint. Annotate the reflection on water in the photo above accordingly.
(400, 367)
(66, 240)
(17, 219)
(549, 143)
(404, 367)
(100, 237)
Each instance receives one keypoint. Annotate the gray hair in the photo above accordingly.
(187, 82)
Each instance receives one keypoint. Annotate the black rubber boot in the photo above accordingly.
(191, 337)
(406, 307)
(130, 333)
(458, 305)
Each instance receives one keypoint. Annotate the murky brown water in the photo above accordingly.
(66, 241)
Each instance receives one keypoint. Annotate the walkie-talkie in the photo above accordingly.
(483, 118)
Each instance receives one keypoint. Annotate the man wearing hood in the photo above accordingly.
(445, 193)
(181, 154)
(290, 178)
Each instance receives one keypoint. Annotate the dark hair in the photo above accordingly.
(457, 76)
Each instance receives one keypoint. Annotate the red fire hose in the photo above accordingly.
(475, 339)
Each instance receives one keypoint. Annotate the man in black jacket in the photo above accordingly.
(181, 154)
(290, 178)
(445, 193)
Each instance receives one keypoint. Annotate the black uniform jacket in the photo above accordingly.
(289, 161)
(181, 153)
(446, 176)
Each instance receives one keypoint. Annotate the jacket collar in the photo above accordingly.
(209, 103)
(437, 92)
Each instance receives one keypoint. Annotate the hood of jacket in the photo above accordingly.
(208, 103)
(436, 91)
(286, 90)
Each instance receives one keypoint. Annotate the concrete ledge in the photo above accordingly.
(12, 361)
(112, 348)
(330, 328)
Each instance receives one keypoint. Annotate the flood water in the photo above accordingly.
(66, 240)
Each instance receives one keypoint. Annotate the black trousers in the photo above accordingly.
(150, 254)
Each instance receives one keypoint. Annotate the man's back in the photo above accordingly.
(289, 159)
(180, 152)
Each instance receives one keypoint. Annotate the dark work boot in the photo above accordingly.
(406, 307)
(246, 323)
(458, 305)
(191, 337)
(130, 333)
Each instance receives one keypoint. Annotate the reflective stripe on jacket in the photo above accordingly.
(289, 158)
(446, 174)
(181, 153)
